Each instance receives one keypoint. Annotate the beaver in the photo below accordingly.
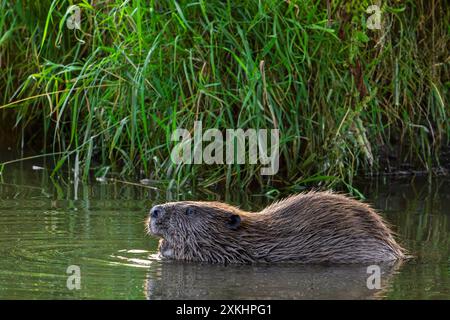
(312, 227)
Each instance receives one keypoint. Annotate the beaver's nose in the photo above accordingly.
(156, 211)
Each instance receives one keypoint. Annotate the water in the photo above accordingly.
(46, 225)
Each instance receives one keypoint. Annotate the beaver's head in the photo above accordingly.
(197, 231)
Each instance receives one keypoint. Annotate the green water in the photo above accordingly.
(48, 225)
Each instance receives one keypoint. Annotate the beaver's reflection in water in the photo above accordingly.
(177, 280)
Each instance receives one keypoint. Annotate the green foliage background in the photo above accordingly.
(347, 100)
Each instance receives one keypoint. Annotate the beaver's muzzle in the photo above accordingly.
(156, 212)
(156, 215)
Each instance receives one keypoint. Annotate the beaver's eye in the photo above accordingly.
(189, 211)
(234, 221)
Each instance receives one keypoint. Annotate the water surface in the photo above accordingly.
(47, 225)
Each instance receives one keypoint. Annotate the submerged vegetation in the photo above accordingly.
(347, 100)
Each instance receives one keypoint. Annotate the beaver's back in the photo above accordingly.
(318, 227)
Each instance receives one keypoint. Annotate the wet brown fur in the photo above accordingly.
(313, 227)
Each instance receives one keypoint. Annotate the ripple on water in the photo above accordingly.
(38, 244)
(135, 258)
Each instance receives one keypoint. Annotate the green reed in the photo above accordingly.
(106, 98)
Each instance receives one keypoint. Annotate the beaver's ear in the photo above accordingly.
(234, 221)
(189, 211)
